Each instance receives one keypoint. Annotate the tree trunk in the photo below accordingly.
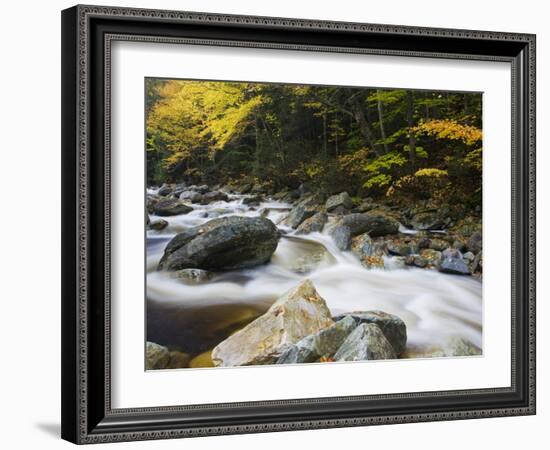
(381, 120)
(360, 118)
(325, 132)
(410, 122)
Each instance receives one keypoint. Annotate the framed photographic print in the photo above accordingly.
(281, 224)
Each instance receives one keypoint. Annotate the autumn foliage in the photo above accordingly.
(390, 143)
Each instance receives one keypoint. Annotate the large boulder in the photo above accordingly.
(374, 224)
(339, 202)
(298, 214)
(453, 262)
(165, 189)
(226, 243)
(366, 342)
(314, 223)
(341, 234)
(358, 223)
(214, 196)
(300, 312)
(170, 207)
(393, 327)
(428, 220)
(322, 344)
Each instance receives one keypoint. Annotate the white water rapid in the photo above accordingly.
(434, 306)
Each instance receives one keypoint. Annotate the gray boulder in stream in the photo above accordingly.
(358, 223)
(314, 223)
(393, 327)
(374, 224)
(453, 262)
(339, 202)
(366, 342)
(321, 344)
(298, 214)
(226, 243)
(301, 311)
(170, 207)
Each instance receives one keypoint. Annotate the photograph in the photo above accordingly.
(294, 223)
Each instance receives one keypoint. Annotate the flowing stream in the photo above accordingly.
(195, 318)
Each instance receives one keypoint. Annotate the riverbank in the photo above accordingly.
(359, 255)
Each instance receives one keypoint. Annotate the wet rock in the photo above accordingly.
(341, 235)
(191, 276)
(432, 257)
(171, 207)
(419, 261)
(474, 243)
(373, 262)
(374, 224)
(315, 223)
(453, 263)
(150, 202)
(226, 243)
(300, 312)
(158, 224)
(393, 327)
(315, 200)
(311, 258)
(196, 197)
(319, 345)
(181, 187)
(365, 206)
(362, 246)
(458, 346)
(438, 244)
(468, 256)
(156, 356)
(339, 201)
(398, 248)
(366, 342)
(298, 214)
(254, 200)
(214, 196)
(428, 220)
(165, 189)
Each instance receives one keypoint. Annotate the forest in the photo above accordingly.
(396, 144)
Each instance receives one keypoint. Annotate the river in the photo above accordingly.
(195, 318)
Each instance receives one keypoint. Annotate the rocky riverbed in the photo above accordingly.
(240, 275)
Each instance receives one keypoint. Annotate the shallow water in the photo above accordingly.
(195, 318)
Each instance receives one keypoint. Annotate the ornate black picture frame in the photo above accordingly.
(87, 34)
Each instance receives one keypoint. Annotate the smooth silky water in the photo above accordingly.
(195, 318)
